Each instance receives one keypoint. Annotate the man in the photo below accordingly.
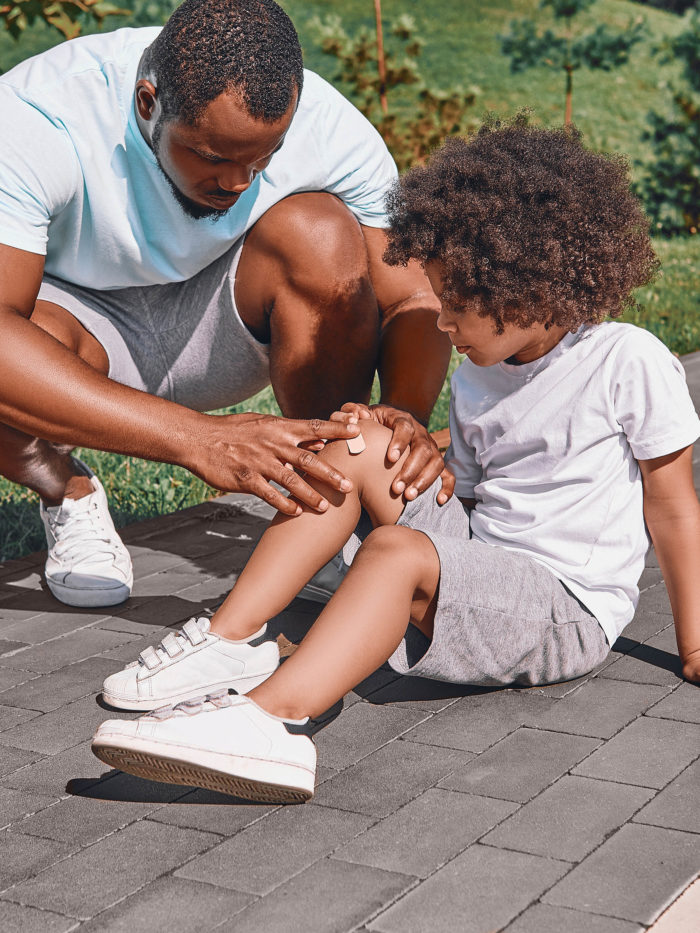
(186, 216)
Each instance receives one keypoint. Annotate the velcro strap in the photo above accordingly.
(171, 645)
(150, 658)
(193, 632)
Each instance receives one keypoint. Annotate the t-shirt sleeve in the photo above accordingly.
(359, 167)
(460, 457)
(38, 173)
(651, 399)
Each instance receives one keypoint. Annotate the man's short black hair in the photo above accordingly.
(208, 47)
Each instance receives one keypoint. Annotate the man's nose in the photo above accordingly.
(235, 178)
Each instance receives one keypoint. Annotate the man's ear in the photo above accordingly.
(146, 98)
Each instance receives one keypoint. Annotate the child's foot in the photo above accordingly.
(189, 663)
(222, 742)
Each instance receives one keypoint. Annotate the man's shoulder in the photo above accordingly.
(84, 56)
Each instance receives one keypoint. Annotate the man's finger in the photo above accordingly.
(327, 430)
(301, 491)
(448, 487)
(274, 497)
(401, 435)
(321, 470)
(421, 469)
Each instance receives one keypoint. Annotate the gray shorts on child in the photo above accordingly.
(183, 341)
(501, 617)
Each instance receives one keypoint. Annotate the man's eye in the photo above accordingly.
(210, 158)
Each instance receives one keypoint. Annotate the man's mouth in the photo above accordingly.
(222, 201)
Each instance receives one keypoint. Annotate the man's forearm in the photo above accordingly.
(48, 392)
(413, 360)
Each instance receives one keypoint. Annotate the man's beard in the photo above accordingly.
(191, 208)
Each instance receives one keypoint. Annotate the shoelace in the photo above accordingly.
(207, 703)
(81, 539)
(173, 645)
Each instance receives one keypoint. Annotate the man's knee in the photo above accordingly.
(64, 327)
(319, 244)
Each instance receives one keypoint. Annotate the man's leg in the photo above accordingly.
(303, 286)
(87, 564)
(41, 466)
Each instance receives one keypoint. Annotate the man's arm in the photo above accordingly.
(672, 514)
(47, 391)
(413, 359)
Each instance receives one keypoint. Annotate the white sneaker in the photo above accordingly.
(326, 581)
(87, 563)
(221, 742)
(191, 662)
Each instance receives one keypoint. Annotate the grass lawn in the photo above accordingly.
(462, 47)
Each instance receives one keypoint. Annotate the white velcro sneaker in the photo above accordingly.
(222, 742)
(189, 663)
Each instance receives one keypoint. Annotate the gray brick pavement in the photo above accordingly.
(570, 807)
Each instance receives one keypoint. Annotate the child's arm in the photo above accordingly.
(672, 514)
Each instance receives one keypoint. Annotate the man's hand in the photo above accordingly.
(245, 453)
(424, 463)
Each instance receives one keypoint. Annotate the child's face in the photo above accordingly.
(476, 336)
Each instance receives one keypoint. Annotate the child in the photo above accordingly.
(567, 433)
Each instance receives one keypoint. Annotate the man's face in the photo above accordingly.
(211, 163)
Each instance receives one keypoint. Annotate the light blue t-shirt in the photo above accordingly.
(79, 184)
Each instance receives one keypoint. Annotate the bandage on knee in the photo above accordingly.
(356, 444)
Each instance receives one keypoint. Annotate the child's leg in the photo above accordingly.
(292, 549)
(393, 580)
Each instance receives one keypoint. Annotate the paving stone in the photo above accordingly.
(482, 889)
(15, 804)
(521, 765)
(389, 778)
(645, 624)
(683, 704)
(7, 646)
(16, 919)
(244, 862)
(649, 752)
(97, 877)
(477, 722)
(175, 904)
(362, 729)
(10, 677)
(11, 716)
(51, 775)
(130, 650)
(419, 693)
(211, 812)
(600, 708)
(569, 819)
(60, 729)
(541, 918)
(82, 820)
(118, 786)
(426, 833)
(58, 652)
(655, 599)
(149, 560)
(116, 624)
(13, 758)
(166, 582)
(655, 662)
(329, 897)
(23, 856)
(48, 625)
(51, 691)
(678, 804)
(634, 875)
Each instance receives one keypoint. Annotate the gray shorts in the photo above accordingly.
(183, 341)
(502, 618)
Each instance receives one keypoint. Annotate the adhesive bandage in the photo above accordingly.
(356, 444)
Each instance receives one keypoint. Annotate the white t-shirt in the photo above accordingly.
(549, 450)
(79, 184)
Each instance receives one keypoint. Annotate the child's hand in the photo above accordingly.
(691, 667)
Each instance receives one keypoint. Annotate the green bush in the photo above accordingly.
(670, 180)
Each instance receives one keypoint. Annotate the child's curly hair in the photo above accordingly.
(528, 223)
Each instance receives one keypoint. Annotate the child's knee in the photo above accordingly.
(376, 438)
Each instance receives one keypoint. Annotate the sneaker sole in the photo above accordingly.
(241, 686)
(89, 598)
(155, 765)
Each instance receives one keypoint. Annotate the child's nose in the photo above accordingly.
(444, 324)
